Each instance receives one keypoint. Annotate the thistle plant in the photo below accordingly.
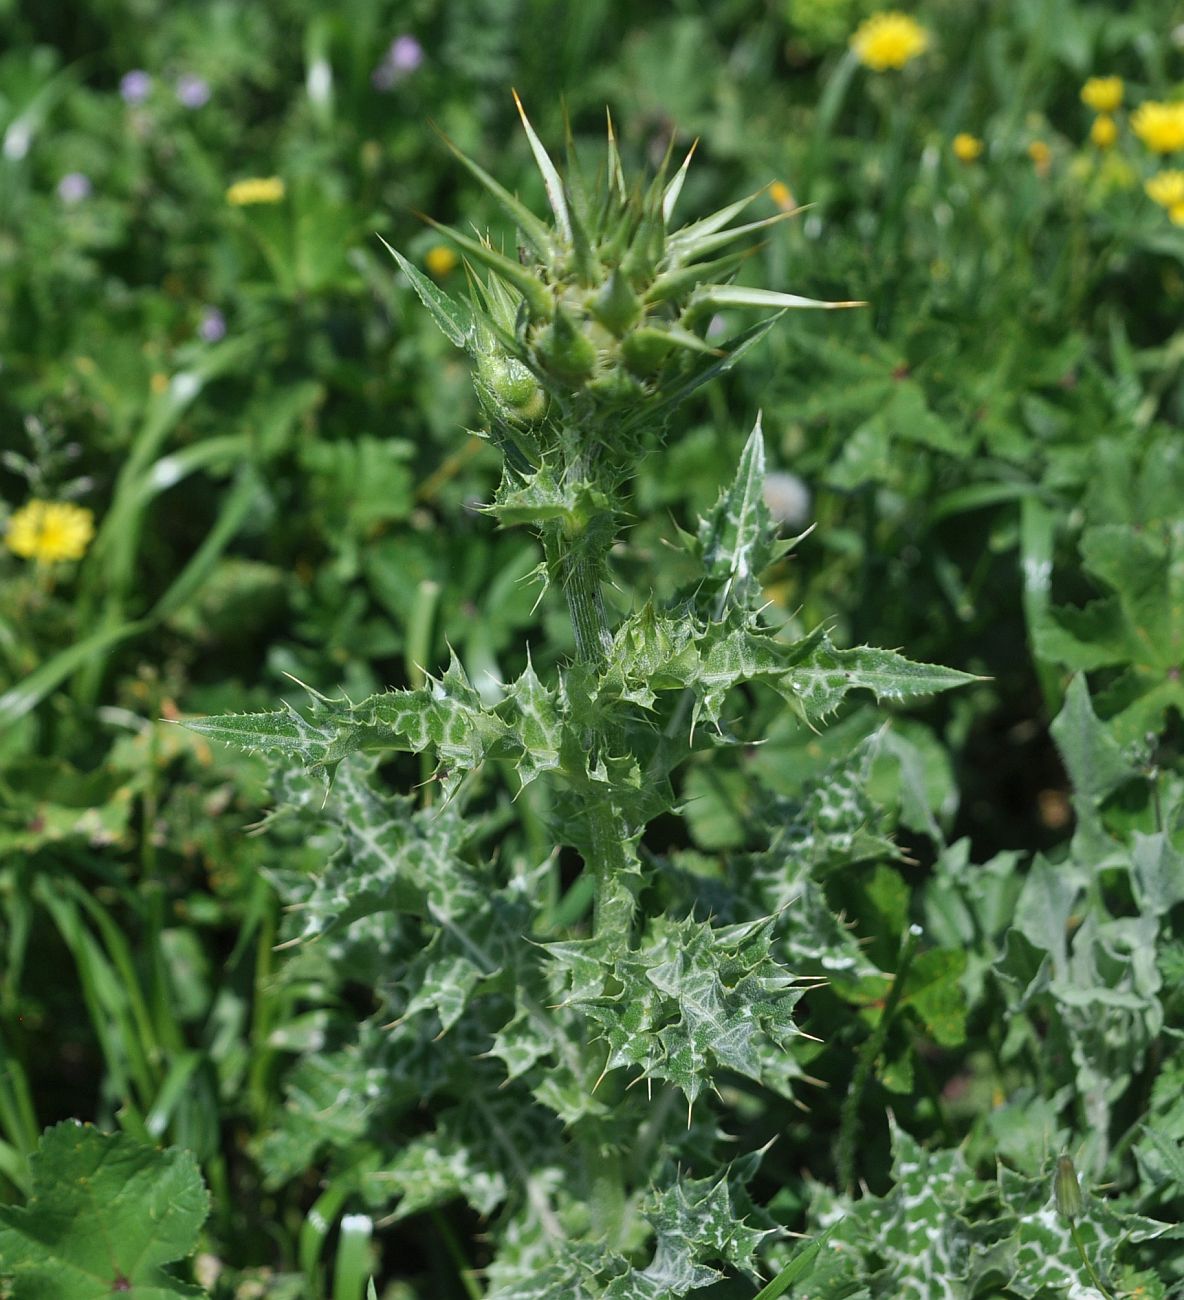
(523, 1027)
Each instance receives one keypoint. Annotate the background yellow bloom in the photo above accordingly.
(967, 147)
(1166, 188)
(1102, 94)
(1104, 131)
(50, 531)
(258, 189)
(1160, 126)
(782, 195)
(889, 40)
(441, 259)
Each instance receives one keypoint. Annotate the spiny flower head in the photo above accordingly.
(889, 40)
(50, 531)
(1160, 126)
(600, 318)
(1102, 94)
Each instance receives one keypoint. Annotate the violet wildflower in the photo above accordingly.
(405, 54)
(134, 86)
(212, 327)
(193, 91)
(403, 57)
(74, 187)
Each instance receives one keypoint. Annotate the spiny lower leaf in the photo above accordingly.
(105, 1215)
(689, 1001)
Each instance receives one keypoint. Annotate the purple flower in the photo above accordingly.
(74, 187)
(212, 327)
(405, 54)
(403, 57)
(193, 91)
(134, 86)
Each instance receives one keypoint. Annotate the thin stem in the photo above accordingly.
(1075, 1233)
(849, 1120)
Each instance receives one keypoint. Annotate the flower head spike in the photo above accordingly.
(50, 531)
(598, 323)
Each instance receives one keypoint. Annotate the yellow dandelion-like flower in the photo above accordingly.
(1160, 126)
(1176, 214)
(1104, 131)
(967, 147)
(50, 531)
(258, 189)
(1041, 156)
(782, 195)
(1166, 188)
(1102, 94)
(889, 40)
(441, 259)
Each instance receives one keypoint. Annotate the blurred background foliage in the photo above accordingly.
(270, 436)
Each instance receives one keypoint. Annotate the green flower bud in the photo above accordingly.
(644, 350)
(515, 392)
(566, 351)
(616, 306)
(1067, 1190)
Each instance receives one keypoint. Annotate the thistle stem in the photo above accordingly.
(582, 576)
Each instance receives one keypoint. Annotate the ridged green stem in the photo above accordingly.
(582, 576)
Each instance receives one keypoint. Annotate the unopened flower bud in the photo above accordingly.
(566, 351)
(1067, 1190)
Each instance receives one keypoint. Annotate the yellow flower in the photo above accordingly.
(782, 195)
(1041, 156)
(1104, 131)
(1166, 188)
(259, 189)
(1160, 126)
(50, 531)
(1176, 214)
(889, 40)
(967, 147)
(1102, 94)
(441, 259)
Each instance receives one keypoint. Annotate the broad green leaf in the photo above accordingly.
(105, 1215)
(1093, 758)
(1138, 627)
(1044, 1256)
(933, 989)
